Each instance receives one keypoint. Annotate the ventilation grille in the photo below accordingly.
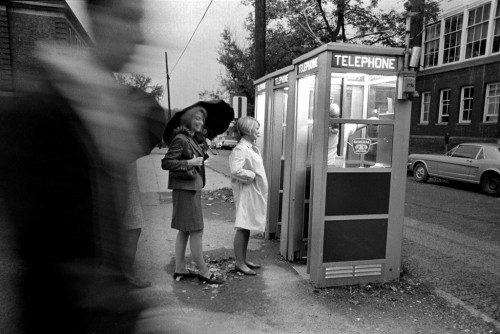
(353, 271)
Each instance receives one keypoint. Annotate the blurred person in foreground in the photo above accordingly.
(185, 163)
(249, 183)
(65, 150)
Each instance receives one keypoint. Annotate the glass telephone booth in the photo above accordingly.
(273, 114)
(346, 156)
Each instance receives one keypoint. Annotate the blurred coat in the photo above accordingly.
(64, 155)
(249, 183)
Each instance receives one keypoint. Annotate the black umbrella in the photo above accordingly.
(219, 116)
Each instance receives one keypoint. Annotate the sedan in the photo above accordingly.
(228, 142)
(477, 163)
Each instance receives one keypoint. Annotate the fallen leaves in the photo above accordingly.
(223, 194)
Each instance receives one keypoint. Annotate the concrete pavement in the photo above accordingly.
(277, 300)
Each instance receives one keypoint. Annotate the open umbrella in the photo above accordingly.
(219, 116)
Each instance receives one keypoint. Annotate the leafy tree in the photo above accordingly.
(295, 27)
(142, 82)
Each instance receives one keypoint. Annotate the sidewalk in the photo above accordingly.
(277, 300)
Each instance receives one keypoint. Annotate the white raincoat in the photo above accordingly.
(249, 182)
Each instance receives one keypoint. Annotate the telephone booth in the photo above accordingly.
(345, 168)
(271, 111)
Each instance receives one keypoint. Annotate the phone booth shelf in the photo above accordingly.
(346, 148)
(271, 92)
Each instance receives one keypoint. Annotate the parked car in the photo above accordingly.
(228, 142)
(216, 143)
(477, 163)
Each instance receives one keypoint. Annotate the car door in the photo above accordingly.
(458, 165)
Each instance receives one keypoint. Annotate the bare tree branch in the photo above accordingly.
(312, 32)
(333, 34)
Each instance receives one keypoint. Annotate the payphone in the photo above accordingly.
(346, 150)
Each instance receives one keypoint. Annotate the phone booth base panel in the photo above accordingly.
(339, 274)
(355, 228)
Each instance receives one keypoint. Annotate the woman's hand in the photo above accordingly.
(195, 161)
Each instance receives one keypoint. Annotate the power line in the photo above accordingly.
(194, 32)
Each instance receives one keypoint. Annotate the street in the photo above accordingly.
(452, 240)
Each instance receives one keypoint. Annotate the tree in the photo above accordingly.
(295, 27)
(142, 82)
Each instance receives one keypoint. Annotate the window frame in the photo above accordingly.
(435, 40)
(496, 26)
(474, 26)
(440, 115)
(422, 109)
(462, 102)
(458, 33)
(486, 103)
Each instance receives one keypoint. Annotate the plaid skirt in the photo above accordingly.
(187, 214)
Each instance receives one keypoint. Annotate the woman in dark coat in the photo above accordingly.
(186, 154)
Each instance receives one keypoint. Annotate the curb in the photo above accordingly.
(455, 301)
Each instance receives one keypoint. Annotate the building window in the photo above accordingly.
(452, 38)
(477, 31)
(466, 104)
(444, 106)
(496, 32)
(492, 103)
(432, 45)
(425, 108)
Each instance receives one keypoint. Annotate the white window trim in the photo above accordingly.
(443, 25)
(463, 45)
(440, 115)
(440, 42)
(422, 122)
(492, 19)
(486, 104)
(461, 115)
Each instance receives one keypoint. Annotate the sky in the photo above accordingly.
(168, 25)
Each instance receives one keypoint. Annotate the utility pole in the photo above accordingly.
(168, 88)
(260, 38)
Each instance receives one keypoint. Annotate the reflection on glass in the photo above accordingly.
(305, 106)
(362, 96)
(280, 107)
(354, 145)
(260, 116)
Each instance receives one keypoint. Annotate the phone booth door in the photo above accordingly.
(276, 157)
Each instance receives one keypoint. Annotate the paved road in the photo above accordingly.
(452, 238)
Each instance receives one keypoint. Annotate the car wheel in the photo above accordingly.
(490, 183)
(420, 173)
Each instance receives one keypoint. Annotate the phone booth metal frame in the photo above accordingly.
(274, 89)
(346, 220)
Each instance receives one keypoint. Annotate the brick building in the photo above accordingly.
(459, 78)
(23, 24)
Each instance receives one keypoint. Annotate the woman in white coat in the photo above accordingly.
(249, 183)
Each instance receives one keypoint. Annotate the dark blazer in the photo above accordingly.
(61, 203)
(182, 149)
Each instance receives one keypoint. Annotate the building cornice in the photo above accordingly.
(461, 65)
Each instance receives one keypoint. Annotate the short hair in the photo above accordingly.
(246, 125)
(187, 117)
